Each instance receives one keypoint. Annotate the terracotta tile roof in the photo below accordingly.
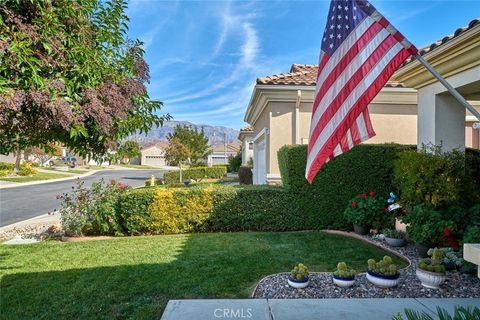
(445, 39)
(304, 75)
(247, 128)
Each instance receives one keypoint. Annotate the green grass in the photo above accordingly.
(36, 177)
(136, 166)
(134, 277)
(68, 170)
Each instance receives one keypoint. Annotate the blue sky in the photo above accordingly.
(204, 56)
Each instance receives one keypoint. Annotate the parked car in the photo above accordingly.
(64, 161)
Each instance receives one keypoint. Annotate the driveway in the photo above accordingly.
(20, 203)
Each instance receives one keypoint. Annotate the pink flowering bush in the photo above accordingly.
(92, 211)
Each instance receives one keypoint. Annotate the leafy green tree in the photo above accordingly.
(193, 144)
(70, 74)
(128, 150)
(235, 162)
(176, 152)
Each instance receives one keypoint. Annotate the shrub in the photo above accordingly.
(365, 167)
(235, 162)
(430, 177)
(245, 175)
(196, 173)
(92, 211)
(7, 166)
(4, 173)
(472, 235)
(210, 208)
(426, 225)
(368, 209)
(26, 169)
(133, 210)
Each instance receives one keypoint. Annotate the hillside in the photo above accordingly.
(215, 134)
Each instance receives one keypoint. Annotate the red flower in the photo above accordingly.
(363, 195)
(371, 193)
(354, 204)
(120, 185)
(385, 209)
(447, 231)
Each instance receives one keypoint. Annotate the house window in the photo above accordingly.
(250, 146)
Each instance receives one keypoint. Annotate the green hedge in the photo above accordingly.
(210, 208)
(364, 168)
(198, 173)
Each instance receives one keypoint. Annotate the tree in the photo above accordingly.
(69, 74)
(129, 149)
(45, 153)
(192, 146)
(235, 162)
(176, 152)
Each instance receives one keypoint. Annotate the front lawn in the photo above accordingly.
(134, 277)
(36, 177)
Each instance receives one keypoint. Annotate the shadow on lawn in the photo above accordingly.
(205, 265)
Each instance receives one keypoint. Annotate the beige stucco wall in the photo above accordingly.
(394, 123)
(282, 124)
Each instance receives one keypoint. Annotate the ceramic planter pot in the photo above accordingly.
(298, 284)
(395, 242)
(361, 229)
(422, 250)
(343, 282)
(381, 280)
(431, 280)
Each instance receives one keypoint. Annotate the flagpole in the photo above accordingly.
(447, 85)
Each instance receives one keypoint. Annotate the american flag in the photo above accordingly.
(360, 51)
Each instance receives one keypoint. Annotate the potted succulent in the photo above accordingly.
(452, 260)
(344, 277)
(431, 271)
(383, 273)
(299, 276)
(394, 238)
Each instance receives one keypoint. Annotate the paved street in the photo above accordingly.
(20, 203)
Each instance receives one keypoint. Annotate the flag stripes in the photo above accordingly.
(358, 57)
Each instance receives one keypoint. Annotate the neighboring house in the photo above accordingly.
(154, 155)
(246, 137)
(280, 107)
(221, 153)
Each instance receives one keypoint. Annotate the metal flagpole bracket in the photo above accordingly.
(450, 89)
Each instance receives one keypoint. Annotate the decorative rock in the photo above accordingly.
(456, 285)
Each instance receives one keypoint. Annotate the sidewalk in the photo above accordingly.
(306, 309)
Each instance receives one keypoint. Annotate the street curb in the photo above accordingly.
(23, 184)
(23, 222)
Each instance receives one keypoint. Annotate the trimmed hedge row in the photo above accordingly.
(198, 173)
(364, 168)
(211, 208)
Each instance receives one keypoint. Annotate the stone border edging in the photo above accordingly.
(346, 234)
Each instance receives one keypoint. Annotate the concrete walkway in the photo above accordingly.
(306, 309)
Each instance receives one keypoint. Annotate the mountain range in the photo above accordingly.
(215, 134)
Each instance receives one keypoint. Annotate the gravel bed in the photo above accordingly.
(32, 231)
(457, 285)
